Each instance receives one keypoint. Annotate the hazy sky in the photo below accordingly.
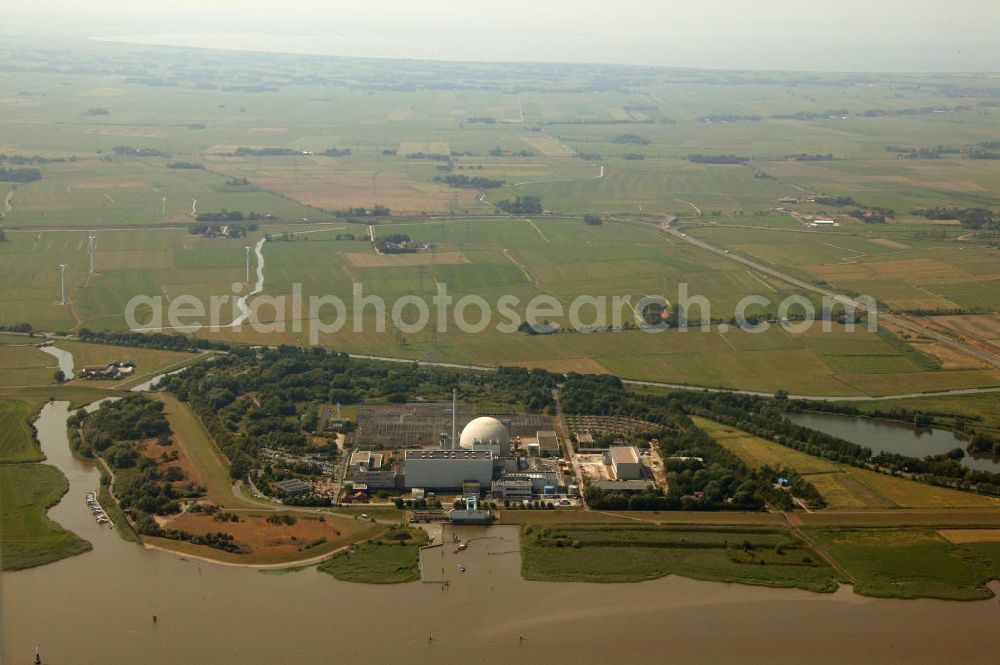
(921, 35)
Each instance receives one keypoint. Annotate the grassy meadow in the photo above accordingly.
(604, 553)
(28, 537)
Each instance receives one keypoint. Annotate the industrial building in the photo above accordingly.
(626, 462)
(482, 460)
(447, 469)
(544, 444)
(367, 470)
(510, 487)
(293, 487)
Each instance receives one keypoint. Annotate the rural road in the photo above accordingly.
(989, 358)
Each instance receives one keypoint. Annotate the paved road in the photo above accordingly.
(570, 452)
(987, 357)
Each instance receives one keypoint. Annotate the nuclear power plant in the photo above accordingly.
(482, 459)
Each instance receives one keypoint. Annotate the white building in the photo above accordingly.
(487, 434)
(447, 469)
(626, 462)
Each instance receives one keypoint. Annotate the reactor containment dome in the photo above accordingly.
(483, 434)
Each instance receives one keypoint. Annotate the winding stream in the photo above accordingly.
(64, 357)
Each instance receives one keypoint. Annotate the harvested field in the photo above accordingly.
(337, 192)
(959, 536)
(372, 260)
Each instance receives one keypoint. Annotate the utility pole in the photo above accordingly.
(92, 246)
(62, 282)
(248, 263)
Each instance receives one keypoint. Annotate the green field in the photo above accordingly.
(387, 560)
(17, 442)
(633, 553)
(912, 563)
(28, 537)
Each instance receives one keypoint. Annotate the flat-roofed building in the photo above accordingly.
(512, 488)
(447, 469)
(293, 486)
(626, 462)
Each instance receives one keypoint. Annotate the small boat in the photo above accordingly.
(461, 567)
(462, 546)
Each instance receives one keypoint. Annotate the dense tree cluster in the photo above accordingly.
(521, 205)
(143, 487)
(266, 152)
(972, 218)
(633, 139)
(717, 159)
(464, 181)
(129, 151)
(377, 211)
(148, 340)
(23, 174)
(228, 216)
(186, 165)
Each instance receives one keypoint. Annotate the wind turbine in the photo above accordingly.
(164, 206)
(91, 247)
(62, 282)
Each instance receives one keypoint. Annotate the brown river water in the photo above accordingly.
(98, 607)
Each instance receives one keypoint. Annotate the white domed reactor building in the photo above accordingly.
(486, 433)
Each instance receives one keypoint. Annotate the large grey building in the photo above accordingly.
(447, 469)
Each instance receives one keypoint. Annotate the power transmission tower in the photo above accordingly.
(62, 282)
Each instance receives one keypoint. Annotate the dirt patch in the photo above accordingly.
(373, 260)
(959, 536)
(259, 535)
(563, 365)
(154, 451)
